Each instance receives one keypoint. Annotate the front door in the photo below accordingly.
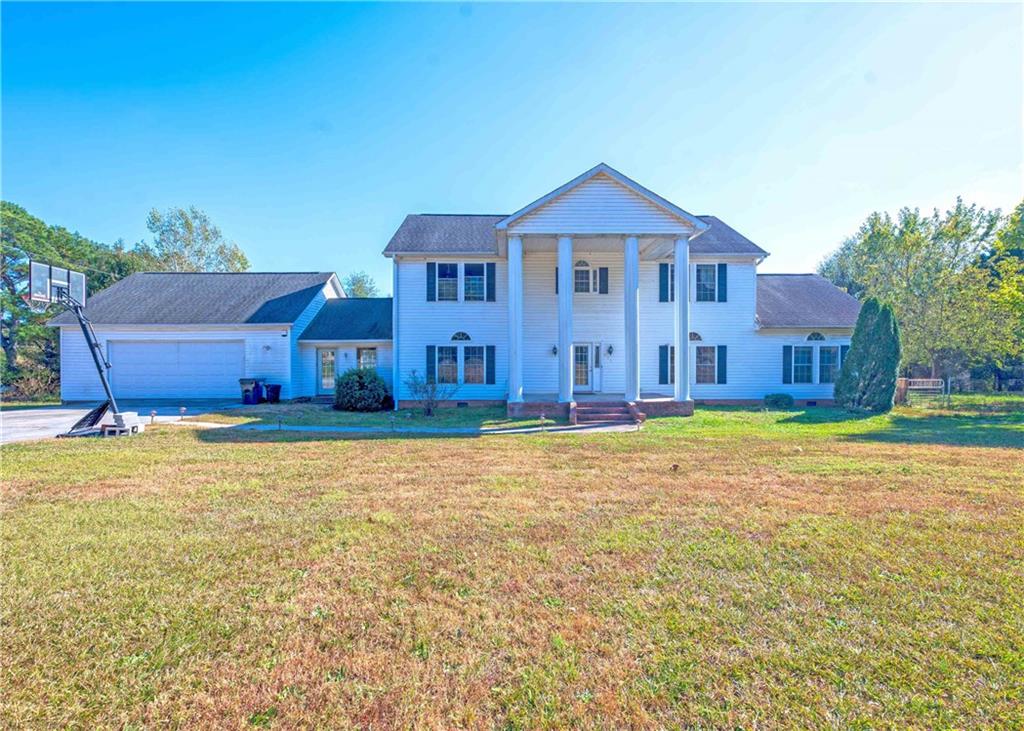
(325, 371)
(582, 366)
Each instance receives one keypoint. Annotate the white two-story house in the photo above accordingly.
(600, 290)
(591, 291)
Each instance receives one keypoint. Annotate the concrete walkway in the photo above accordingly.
(435, 430)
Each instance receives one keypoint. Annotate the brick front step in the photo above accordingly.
(603, 413)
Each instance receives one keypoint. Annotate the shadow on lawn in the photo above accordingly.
(238, 435)
(991, 429)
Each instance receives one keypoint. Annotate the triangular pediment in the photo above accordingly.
(602, 201)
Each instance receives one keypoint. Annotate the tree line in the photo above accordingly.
(954, 282)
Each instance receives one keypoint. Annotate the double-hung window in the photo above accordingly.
(706, 282)
(474, 284)
(803, 364)
(447, 282)
(366, 357)
(706, 364)
(828, 364)
(581, 278)
(473, 364)
(447, 364)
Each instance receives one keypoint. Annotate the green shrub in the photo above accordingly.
(360, 389)
(778, 401)
(867, 379)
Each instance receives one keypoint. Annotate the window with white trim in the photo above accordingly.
(707, 282)
(447, 364)
(366, 357)
(828, 364)
(473, 364)
(707, 369)
(474, 283)
(582, 276)
(447, 282)
(803, 364)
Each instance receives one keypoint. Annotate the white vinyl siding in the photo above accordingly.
(599, 205)
(420, 323)
(345, 359)
(265, 354)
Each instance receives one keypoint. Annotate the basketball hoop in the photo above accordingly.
(37, 306)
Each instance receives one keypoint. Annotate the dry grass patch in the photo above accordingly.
(792, 571)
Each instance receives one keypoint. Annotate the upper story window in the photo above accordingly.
(474, 284)
(581, 277)
(447, 282)
(815, 336)
(707, 275)
(479, 281)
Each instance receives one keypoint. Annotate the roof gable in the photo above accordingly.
(602, 200)
(203, 298)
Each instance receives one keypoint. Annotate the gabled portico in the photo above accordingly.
(601, 213)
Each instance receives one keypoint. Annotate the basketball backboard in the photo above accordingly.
(48, 284)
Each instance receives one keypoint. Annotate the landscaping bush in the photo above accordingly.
(867, 379)
(360, 389)
(778, 401)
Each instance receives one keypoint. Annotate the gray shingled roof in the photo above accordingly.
(202, 298)
(803, 300)
(430, 233)
(354, 318)
(722, 238)
(435, 233)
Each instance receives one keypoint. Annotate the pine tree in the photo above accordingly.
(867, 380)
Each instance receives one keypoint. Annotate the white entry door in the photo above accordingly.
(325, 370)
(582, 368)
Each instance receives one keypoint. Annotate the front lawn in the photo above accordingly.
(742, 568)
(317, 414)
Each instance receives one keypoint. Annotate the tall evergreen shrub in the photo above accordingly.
(867, 379)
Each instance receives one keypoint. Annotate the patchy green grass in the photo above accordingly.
(22, 404)
(741, 568)
(316, 414)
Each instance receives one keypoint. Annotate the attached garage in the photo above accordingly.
(185, 368)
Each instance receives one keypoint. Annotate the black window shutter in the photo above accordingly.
(431, 364)
(663, 282)
(662, 364)
(431, 281)
(489, 364)
(556, 280)
(843, 350)
(723, 278)
(787, 363)
(602, 280)
(723, 367)
(491, 281)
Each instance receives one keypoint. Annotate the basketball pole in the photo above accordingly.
(94, 348)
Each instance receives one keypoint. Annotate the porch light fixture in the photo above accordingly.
(554, 350)
(610, 350)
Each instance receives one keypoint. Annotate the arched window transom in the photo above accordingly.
(695, 337)
(460, 335)
(815, 336)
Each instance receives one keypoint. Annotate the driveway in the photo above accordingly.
(23, 425)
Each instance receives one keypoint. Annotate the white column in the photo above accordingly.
(565, 319)
(682, 320)
(396, 371)
(632, 317)
(515, 319)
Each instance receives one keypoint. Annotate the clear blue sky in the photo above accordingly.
(309, 131)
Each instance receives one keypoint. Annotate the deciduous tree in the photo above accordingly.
(360, 284)
(186, 240)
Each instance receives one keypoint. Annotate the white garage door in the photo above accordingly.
(176, 368)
